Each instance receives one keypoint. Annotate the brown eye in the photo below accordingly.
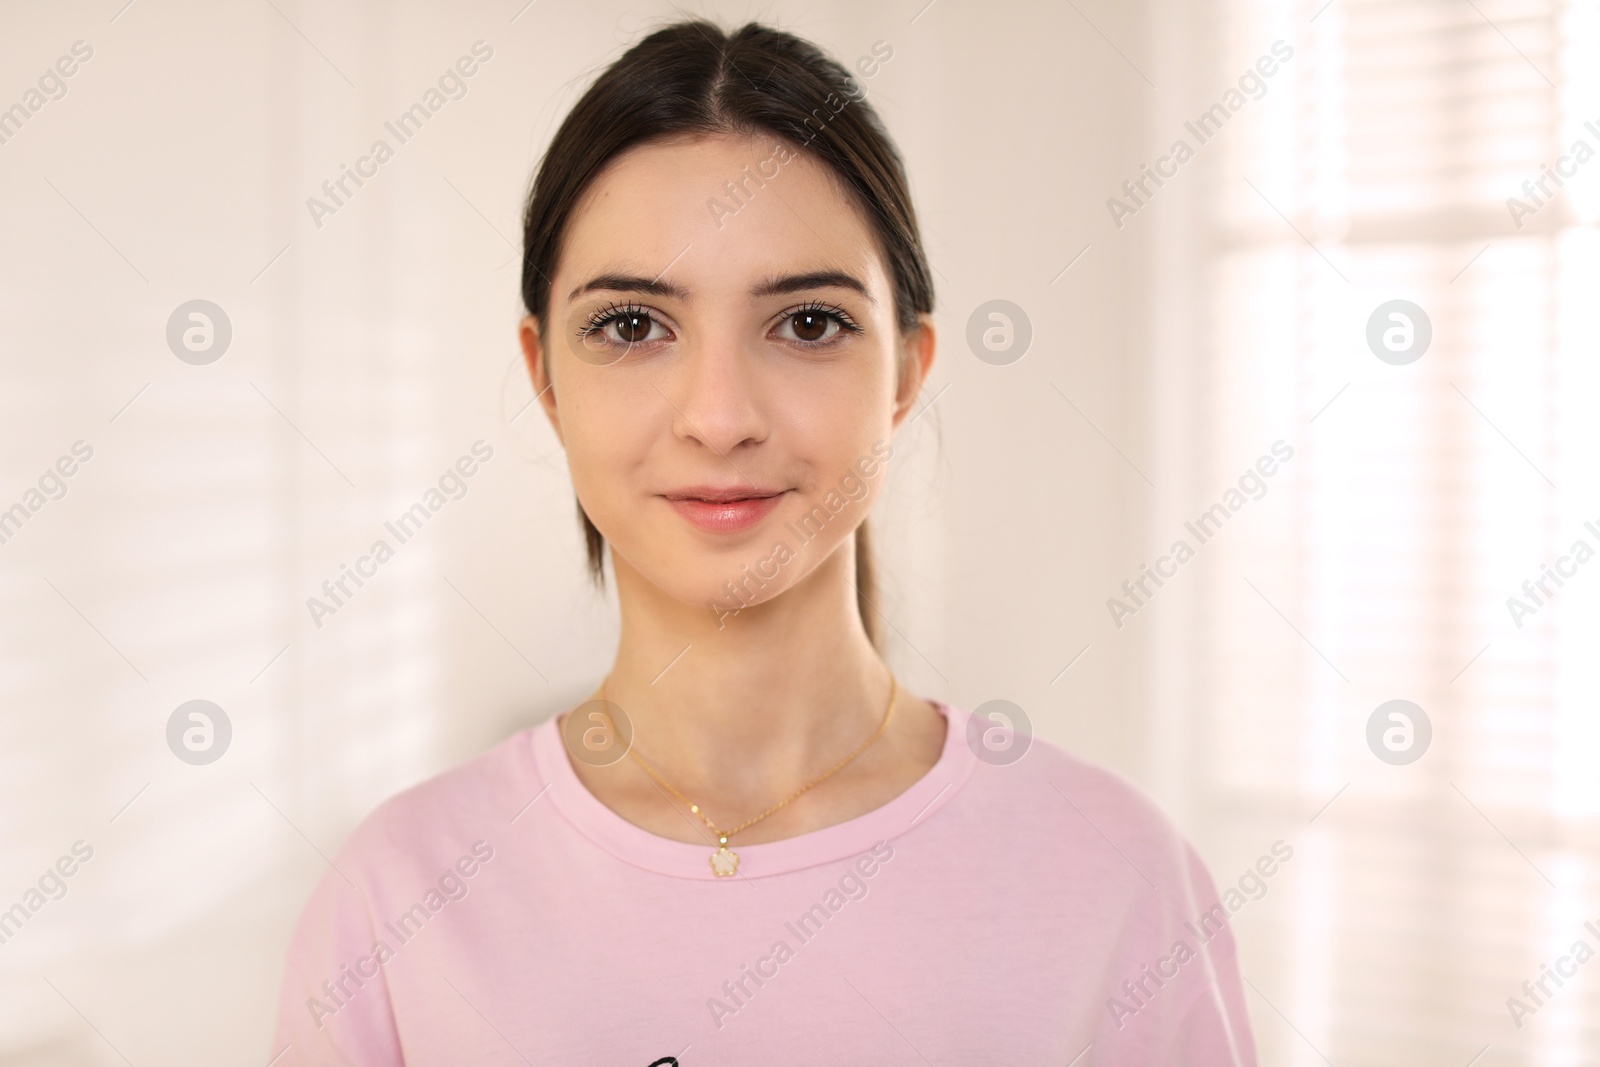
(814, 328)
(632, 327)
(809, 325)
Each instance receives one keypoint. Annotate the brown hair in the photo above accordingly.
(691, 78)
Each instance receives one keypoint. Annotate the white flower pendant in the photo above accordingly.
(724, 861)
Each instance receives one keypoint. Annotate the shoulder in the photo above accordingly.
(1094, 790)
(466, 809)
(1074, 806)
(402, 864)
(1015, 767)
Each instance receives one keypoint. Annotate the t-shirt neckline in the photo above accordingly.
(638, 846)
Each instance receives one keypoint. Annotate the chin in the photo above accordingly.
(730, 588)
(724, 583)
(724, 580)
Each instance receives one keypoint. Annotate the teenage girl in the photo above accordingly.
(751, 844)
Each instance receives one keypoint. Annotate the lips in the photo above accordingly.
(725, 510)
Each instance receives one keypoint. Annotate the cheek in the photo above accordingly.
(837, 496)
(831, 422)
(838, 402)
(834, 428)
(607, 434)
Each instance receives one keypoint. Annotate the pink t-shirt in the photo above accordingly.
(1037, 912)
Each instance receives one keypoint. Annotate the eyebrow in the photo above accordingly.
(629, 283)
(818, 279)
(778, 286)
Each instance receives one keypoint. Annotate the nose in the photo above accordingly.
(716, 394)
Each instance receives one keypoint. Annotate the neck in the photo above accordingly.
(775, 693)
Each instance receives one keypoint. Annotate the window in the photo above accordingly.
(1377, 564)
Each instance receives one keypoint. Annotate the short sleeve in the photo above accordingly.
(1169, 989)
(1213, 1030)
(334, 1007)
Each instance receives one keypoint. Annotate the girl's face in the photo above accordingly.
(724, 365)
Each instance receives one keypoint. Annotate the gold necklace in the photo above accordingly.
(724, 861)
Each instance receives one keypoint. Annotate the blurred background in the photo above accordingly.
(1185, 311)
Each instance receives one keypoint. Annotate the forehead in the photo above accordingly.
(715, 212)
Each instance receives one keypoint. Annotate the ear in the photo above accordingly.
(916, 360)
(539, 371)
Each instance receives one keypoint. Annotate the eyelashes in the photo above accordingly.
(603, 317)
(636, 318)
(833, 311)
